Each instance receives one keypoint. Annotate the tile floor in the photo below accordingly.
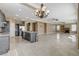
(56, 44)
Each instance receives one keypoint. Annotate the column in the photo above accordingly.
(45, 28)
(12, 28)
(78, 27)
(56, 28)
(38, 30)
(12, 34)
(30, 26)
(26, 26)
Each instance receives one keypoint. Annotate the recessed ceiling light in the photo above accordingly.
(20, 9)
(17, 15)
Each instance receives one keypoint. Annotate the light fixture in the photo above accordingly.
(42, 11)
(20, 9)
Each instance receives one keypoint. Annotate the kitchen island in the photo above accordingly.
(30, 36)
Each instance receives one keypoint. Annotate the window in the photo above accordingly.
(58, 27)
(73, 27)
(22, 27)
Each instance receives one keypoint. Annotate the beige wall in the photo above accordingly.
(50, 28)
(40, 28)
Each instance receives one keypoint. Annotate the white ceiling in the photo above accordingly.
(12, 9)
(61, 11)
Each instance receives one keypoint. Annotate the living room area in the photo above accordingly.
(34, 29)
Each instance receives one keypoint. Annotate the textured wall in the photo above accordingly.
(51, 28)
(40, 28)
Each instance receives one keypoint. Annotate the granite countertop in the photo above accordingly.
(30, 31)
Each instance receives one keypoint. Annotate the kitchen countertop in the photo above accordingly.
(29, 31)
